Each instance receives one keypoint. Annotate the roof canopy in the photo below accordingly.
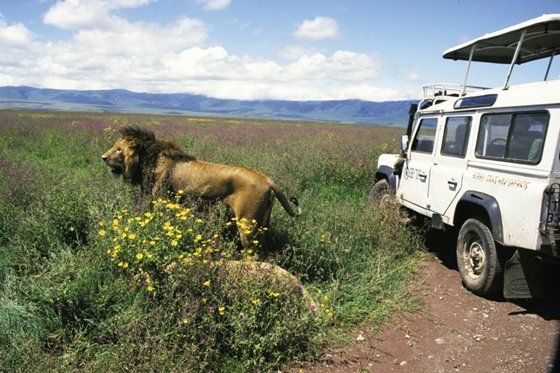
(541, 40)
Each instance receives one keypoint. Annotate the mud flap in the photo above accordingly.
(523, 276)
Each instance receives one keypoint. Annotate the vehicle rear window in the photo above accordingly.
(512, 137)
(456, 136)
(425, 136)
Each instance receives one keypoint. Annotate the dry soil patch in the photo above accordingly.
(455, 332)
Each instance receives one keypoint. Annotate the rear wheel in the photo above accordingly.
(477, 258)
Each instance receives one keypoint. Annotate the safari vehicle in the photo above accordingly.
(486, 163)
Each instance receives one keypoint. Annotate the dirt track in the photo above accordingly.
(455, 332)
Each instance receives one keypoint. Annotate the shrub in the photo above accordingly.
(210, 312)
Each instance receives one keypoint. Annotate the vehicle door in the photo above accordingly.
(450, 164)
(416, 169)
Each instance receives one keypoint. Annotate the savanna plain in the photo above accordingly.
(94, 278)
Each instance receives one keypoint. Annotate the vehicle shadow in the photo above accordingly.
(442, 245)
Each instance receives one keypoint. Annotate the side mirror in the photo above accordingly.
(404, 143)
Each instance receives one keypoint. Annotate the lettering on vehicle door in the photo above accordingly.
(415, 173)
(501, 180)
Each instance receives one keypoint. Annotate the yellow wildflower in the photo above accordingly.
(139, 256)
(102, 232)
(206, 283)
(221, 310)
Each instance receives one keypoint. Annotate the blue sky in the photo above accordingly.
(254, 49)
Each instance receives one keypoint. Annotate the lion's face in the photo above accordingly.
(122, 159)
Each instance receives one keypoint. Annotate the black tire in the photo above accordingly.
(477, 259)
(378, 190)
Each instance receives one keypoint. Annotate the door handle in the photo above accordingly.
(452, 183)
(422, 176)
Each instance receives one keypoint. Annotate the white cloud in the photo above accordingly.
(214, 4)
(14, 35)
(140, 39)
(318, 28)
(107, 51)
(344, 65)
(293, 52)
(413, 77)
(80, 14)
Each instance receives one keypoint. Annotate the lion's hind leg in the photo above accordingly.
(265, 222)
(252, 213)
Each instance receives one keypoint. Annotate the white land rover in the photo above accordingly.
(487, 162)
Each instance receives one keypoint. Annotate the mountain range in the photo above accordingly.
(120, 100)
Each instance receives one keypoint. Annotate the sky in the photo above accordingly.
(375, 50)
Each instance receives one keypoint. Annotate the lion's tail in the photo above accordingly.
(284, 200)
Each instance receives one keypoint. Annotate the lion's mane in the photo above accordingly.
(146, 150)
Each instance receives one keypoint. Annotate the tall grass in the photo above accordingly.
(85, 284)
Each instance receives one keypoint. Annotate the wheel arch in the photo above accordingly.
(477, 204)
(387, 173)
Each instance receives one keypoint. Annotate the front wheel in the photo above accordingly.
(477, 258)
(380, 189)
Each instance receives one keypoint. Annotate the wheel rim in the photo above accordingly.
(474, 258)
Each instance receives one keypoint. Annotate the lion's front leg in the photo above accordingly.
(161, 184)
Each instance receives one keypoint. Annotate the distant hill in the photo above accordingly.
(119, 100)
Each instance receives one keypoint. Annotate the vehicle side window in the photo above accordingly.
(512, 137)
(456, 136)
(425, 136)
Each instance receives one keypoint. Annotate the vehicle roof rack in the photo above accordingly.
(528, 41)
(439, 92)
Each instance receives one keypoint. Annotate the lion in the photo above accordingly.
(160, 166)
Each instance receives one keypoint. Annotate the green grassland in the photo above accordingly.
(78, 294)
